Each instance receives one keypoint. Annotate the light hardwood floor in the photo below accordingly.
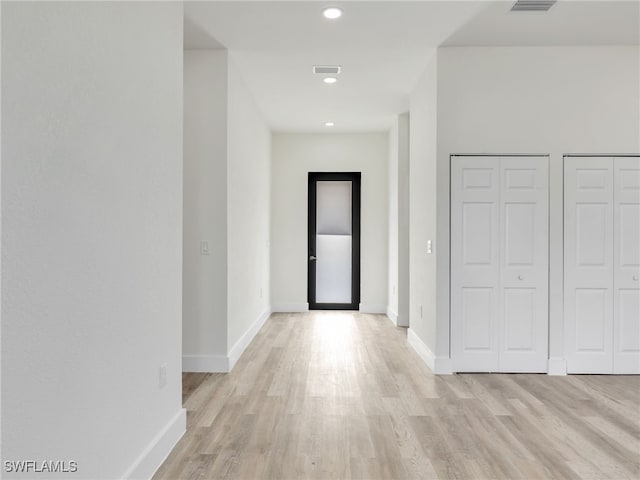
(336, 395)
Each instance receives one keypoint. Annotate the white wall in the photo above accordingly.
(553, 100)
(392, 284)
(227, 203)
(403, 219)
(398, 284)
(249, 215)
(1, 243)
(293, 156)
(423, 121)
(91, 234)
(204, 321)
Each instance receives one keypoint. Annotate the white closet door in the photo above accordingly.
(499, 264)
(475, 264)
(524, 273)
(626, 251)
(588, 262)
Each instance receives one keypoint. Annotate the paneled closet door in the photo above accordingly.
(588, 264)
(626, 260)
(524, 273)
(475, 264)
(499, 264)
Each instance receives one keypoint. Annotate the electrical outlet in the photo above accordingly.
(429, 246)
(162, 376)
(204, 247)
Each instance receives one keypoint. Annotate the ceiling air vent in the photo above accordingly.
(326, 69)
(532, 5)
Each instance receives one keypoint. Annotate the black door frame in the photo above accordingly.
(355, 179)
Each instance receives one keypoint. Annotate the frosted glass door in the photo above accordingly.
(333, 268)
(333, 241)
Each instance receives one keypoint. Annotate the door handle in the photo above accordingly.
(313, 257)
(520, 277)
(635, 277)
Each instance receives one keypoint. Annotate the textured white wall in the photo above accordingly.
(1, 243)
(553, 100)
(398, 287)
(204, 322)
(403, 219)
(249, 217)
(392, 286)
(422, 304)
(294, 155)
(227, 203)
(91, 231)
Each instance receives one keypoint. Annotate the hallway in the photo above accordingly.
(336, 395)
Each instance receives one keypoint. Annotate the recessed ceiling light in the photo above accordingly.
(332, 13)
(329, 124)
(330, 80)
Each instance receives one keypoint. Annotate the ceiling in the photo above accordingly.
(567, 23)
(382, 46)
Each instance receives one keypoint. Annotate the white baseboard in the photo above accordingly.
(438, 365)
(290, 307)
(205, 363)
(444, 366)
(224, 363)
(393, 316)
(402, 321)
(373, 308)
(557, 366)
(245, 340)
(158, 449)
(421, 349)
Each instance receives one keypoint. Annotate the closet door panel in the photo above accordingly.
(499, 264)
(626, 302)
(474, 263)
(588, 264)
(524, 265)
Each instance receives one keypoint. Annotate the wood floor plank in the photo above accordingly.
(341, 395)
(573, 414)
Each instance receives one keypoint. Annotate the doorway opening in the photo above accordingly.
(333, 278)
